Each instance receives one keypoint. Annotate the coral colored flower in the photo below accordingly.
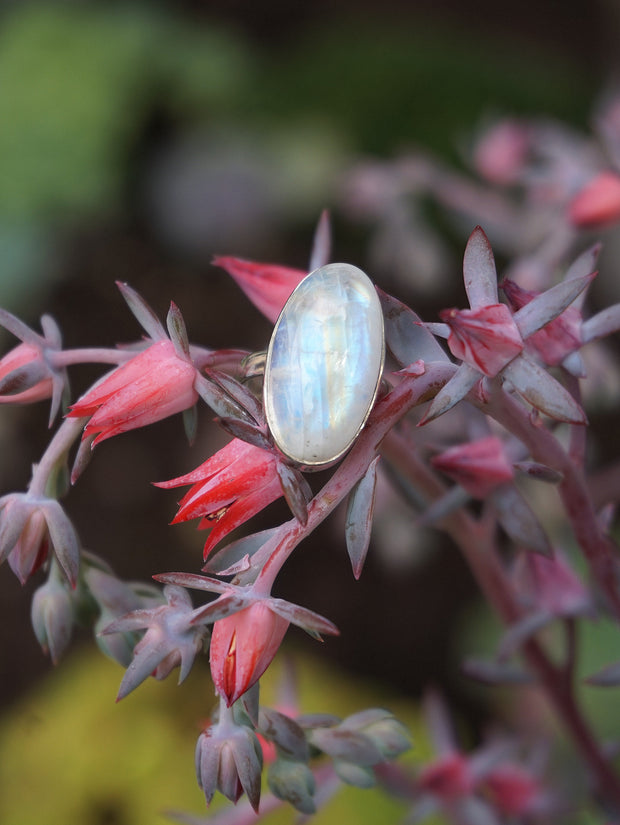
(486, 338)
(153, 385)
(479, 467)
(559, 337)
(598, 203)
(24, 367)
(242, 648)
(228, 489)
(268, 286)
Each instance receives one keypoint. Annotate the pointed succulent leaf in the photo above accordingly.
(20, 330)
(177, 331)
(453, 391)
(321, 246)
(495, 673)
(444, 506)
(237, 550)
(310, 721)
(519, 521)
(603, 323)
(60, 394)
(142, 312)
(140, 668)
(83, 456)
(405, 335)
(521, 631)
(194, 581)
(541, 472)
(63, 539)
(607, 677)
(190, 424)
(438, 329)
(239, 393)
(358, 522)
(14, 513)
(222, 607)
(51, 331)
(293, 782)
(348, 745)
(136, 620)
(584, 264)
(294, 487)
(308, 620)
(220, 401)
(549, 304)
(287, 735)
(245, 432)
(543, 392)
(479, 270)
(356, 775)
(574, 363)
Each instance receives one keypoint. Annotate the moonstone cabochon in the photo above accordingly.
(324, 364)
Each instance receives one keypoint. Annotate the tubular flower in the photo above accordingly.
(268, 286)
(153, 385)
(24, 376)
(228, 489)
(242, 648)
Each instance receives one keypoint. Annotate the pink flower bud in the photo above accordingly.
(513, 791)
(242, 648)
(479, 467)
(448, 778)
(486, 338)
(598, 203)
(24, 376)
(153, 385)
(500, 154)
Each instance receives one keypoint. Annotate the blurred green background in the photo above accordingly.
(136, 141)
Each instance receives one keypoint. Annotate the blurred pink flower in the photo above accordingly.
(242, 648)
(153, 385)
(479, 466)
(501, 151)
(228, 489)
(24, 366)
(598, 203)
(448, 778)
(268, 286)
(513, 791)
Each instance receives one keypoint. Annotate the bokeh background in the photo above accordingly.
(137, 140)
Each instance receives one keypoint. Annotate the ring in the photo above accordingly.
(323, 366)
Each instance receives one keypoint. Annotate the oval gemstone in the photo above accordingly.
(324, 364)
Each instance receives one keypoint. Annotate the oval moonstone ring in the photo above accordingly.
(324, 365)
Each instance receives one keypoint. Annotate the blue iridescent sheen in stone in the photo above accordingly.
(324, 364)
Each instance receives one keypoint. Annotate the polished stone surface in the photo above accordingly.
(324, 364)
